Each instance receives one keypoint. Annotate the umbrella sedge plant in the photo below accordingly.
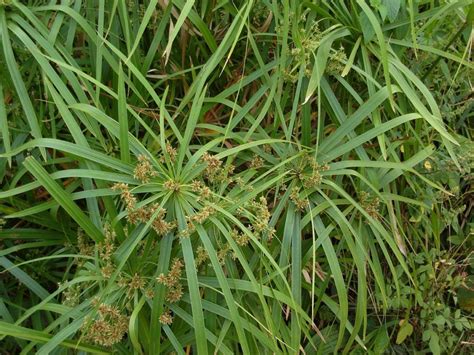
(229, 177)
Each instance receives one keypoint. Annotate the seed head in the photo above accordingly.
(262, 215)
(166, 318)
(214, 171)
(149, 293)
(241, 239)
(107, 247)
(256, 162)
(71, 296)
(126, 195)
(202, 256)
(295, 198)
(172, 281)
(201, 216)
(108, 329)
(84, 247)
(213, 164)
(137, 282)
(336, 62)
(201, 189)
(172, 185)
(107, 270)
(144, 170)
(171, 151)
(370, 205)
(223, 252)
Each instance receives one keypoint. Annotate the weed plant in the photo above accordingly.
(236, 177)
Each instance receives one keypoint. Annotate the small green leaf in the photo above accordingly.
(392, 7)
(426, 335)
(381, 341)
(406, 329)
(439, 320)
(466, 298)
(464, 323)
(434, 344)
(367, 29)
(383, 12)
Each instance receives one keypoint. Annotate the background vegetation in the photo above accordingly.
(236, 176)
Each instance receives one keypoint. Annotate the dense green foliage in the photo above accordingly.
(274, 177)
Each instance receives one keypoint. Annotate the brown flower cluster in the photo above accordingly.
(108, 329)
(84, 247)
(214, 171)
(242, 184)
(256, 162)
(370, 205)
(299, 202)
(260, 223)
(144, 171)
(267, 148)
(223, 251)
(315, 178)
(71, 295)
(171, 151)
(199, 218)
(145, 213)
(241, 239)
(126, 195)
(172, 185)
(262, 215)
(213, 165)
(159, 224)
(132, 284)
(201, 189)
(190, 229)
(201, 256)
(149, 293)
(166, 318)
(106, 249)
(172, 281)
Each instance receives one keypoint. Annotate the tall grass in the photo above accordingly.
(235, 177)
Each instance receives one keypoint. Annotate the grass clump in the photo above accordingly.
(236, 177)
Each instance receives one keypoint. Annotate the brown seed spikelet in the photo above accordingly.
(297, 200)
(171, 151)
(213, 165)
(144, 170)
(172, 185)
(107, 247)
(256, 162)
(84, 247)
(262, 216)
(108, 329)
(370, 205)
(201, 256)
(126, 195)
(201, 189)
(166, 317)
(241, 239)
(172, 281)
(201, 216)
(159, 224)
